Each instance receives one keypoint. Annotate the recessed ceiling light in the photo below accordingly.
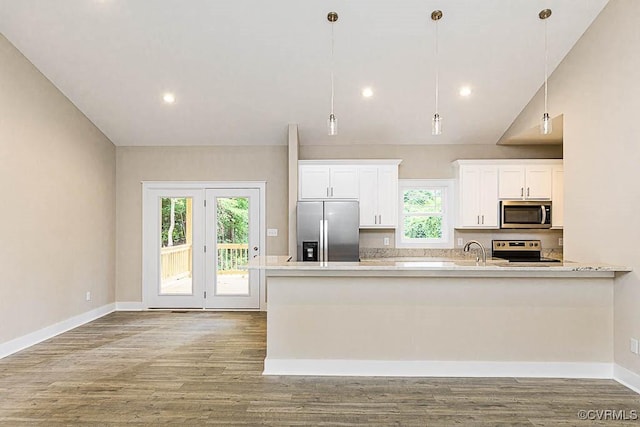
(169, 98)
(465, 91)
(367, 92)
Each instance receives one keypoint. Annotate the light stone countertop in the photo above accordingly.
(409, 266)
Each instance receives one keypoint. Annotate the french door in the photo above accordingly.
(233, 237)
(196, 245)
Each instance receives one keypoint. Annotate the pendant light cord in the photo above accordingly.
(437, 68)
(332, 64)
(546, 60)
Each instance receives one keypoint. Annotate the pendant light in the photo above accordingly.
(332, 122)
(436, 122)
(546, 123)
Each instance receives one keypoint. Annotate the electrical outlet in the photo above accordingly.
(272, 232)
(633, 345)
(560, 241)
(88, 296)
(385, 241)
(460, 241)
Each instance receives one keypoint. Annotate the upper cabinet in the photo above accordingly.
(378, 196)
(525, 182)
(374, 183)
(483, 183)
(328, 182)
(478, 196)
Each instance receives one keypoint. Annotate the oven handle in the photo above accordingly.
(544, 215)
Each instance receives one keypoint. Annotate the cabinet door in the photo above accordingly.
(313, 182)
(489, 197)
(388, 196)
(538, 180)
(469, 196)
(368, 196)
(511, 182)
(344, 182)
(557, 198)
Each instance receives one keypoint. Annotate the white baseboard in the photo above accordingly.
(418, 368)
(130, 306)
(626, 378)
(40, 335)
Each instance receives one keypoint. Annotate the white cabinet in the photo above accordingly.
(378, 196)
(478, 191)
(328, 182)
(557, 198)
(525, 182)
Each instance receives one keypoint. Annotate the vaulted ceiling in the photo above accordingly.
(241, 70)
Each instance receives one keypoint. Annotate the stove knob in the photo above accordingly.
(530, 244)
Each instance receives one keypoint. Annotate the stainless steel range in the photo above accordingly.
(519, 251)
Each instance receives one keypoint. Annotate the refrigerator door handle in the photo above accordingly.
(321, 242)
(325, 238)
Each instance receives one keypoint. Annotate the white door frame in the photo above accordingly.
(148, 252)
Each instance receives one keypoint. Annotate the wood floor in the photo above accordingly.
(199, 368)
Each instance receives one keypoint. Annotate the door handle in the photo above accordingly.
(255, 248)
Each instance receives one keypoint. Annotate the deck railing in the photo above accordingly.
(176, 261)
(231, 256)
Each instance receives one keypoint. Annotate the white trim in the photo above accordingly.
(130, 306)
(447, 241)
(351, 162)
(626, 378)
(201, 185)
(51, 331)
(508, 162)
(420, 368)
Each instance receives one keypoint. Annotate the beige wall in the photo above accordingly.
(58, 191)
(428, 161)
(434, 162)
(599, 80)
(215, 163)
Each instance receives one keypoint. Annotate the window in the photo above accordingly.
(425, 208)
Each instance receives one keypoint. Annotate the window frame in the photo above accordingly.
(447, 188)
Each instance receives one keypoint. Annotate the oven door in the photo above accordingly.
(523, 214)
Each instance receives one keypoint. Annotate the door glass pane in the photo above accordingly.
(232, 277)
(176, 260)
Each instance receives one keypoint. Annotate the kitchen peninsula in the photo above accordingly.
(438, 318)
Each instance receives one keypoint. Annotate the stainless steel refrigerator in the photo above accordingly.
(328, 231)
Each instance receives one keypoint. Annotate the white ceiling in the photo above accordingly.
(241, 70)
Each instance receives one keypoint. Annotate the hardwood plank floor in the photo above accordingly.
(200, 368)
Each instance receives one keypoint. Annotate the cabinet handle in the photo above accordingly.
(482, 219)
(327, 191)
(527, 191)
(375, 219)
(331, 191)
(478, 219)
(379, 219)
(521, 191)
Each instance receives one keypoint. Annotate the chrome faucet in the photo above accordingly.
(484, 252)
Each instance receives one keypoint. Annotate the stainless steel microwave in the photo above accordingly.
(525, 214)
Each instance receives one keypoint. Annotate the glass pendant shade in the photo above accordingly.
(546, 124)
(436, 125)
(332, 125)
